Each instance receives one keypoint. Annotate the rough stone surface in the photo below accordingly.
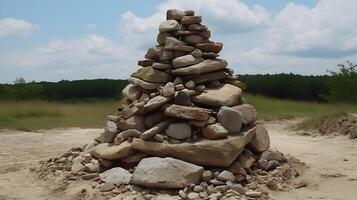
(179, 131)
(154, 103)
(144, 84)
(261, 140)
(132, 92)
(224, 95)
(184, 61)
(152, 75)
(112, 152)
(206, 66)
(191, 19)
(210, 47)
(169, 25)
(226, 176)
(189, 113)
(230, 119)
(116, 176)
(158, 128)
(134, 122)
(168, 90)
(214, 131)
(167, 173)
(203, 152)
(182, 98)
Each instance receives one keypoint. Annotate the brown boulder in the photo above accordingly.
(214, 47)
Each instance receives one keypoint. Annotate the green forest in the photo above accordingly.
(339, 86)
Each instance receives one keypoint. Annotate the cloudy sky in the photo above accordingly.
(55, 40)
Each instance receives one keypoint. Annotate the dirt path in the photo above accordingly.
(329, 176)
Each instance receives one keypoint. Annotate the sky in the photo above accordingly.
(46, 40)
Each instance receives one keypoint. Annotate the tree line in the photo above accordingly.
(339, 86)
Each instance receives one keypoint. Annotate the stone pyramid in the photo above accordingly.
(182, 113)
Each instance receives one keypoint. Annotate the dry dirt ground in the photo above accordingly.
(332, 174)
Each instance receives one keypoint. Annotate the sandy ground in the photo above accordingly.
(332, 174)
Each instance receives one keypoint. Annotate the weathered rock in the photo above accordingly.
(215, 47)
(131, 91)
(124, 135)
(190, 85)
(224, 95)
(133, 159)
(154, 103)
(191, 19)
(161, 37)
(248, 113)
(236, 83)
(154, 53)
(158, 128)
(168, 90)
(193, 196)
(200, 68)
(179, 131)
(246, 159)
(106, 187)
(208, 77)
(109, 133)
(116, 176)
(211, 120)
(197, 27)
(145, 63)
(154, 118)
(226, 176)
(189, 113)
(91, 168)
(186, 60)
(214, 131)
(152, 75)
(182, 98)
(161, 66)
(169, 25)
(203, 152)
(166, 56)
(207, 176)
(209, 55)
(196, 53)
(174, 14)
(134, 122)
(261, 140)
(77, 164)
(144, 84)
(112, 152)
(230, 119)
(172, 43)
(129, 111)
(193, 39)
(167, 173)
(273, 155)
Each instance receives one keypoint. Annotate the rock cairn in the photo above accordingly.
(182, 124)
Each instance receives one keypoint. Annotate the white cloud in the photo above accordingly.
(327, 30)
(15, 27)
(91, 57)
(228, 16)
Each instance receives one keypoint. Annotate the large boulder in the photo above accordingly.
(223, 95)
(206, 66)
(166, 173)
(188, 113)
(116, 176)
(202, 152)
(152, 75)
(112, 152)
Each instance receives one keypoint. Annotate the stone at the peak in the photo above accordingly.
(152, 75)
(223, 95)
(206, 66)
(178, 14)
(169, 25)
(191, 19)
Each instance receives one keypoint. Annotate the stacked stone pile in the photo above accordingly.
(182, 125)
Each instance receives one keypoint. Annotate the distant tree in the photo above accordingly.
(343, 83)
(19, 80)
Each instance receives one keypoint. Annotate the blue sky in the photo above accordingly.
(55, 40)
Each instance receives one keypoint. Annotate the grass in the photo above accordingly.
(270, 108)
(34, 115)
